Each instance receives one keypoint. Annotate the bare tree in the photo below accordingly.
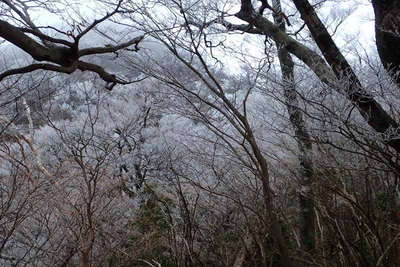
(198, 166)
(307, 215)
(338, 69)
(61, 54)
(189, 52)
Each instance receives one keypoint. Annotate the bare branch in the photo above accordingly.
(15, 36)
(265, 5)
(23, 15)
(46, 37)
(66, 56)
(34, 67)
(247, 28)
(98, 21)
(111, 49)
(111, 79)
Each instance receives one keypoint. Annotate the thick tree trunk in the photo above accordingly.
(306, 199)
(369, 108)
(372, 112)
(85, 258)
(29, 45)
(387, 34)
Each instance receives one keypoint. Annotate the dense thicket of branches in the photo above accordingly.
(212, 133)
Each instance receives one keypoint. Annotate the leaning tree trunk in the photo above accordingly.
(369, 108)
(372, 112)
(306, 198)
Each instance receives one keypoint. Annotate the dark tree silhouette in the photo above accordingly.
(59, 55)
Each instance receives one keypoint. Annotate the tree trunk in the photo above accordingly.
(372, 112)
(387, 34)
(369, 108)
(85, 258)
(270, 211)
(306, 199)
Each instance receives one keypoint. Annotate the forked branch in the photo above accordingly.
(60, 55)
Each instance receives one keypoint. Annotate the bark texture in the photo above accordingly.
(306, 200)
(369, 108)
(387, 34)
